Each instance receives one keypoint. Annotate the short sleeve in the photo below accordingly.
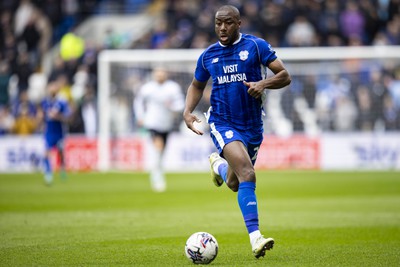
(201, 73)
(267, 53)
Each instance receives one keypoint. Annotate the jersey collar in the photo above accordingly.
(237, 41)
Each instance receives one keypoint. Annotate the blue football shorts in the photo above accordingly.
(224, 134)
(53, 141)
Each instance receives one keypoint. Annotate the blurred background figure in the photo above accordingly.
(54, 112)
(23, 100)
(365, 117)
(391, 114)
(84, 114)
(6, 120)
(5, 77)
(156, 106)
(301, 33)
(25, 123)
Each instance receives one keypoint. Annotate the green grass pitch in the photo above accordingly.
(114, 219)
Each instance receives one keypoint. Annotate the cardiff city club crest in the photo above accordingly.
(229, 134)
(244, 55)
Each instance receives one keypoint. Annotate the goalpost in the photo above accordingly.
(121, 72)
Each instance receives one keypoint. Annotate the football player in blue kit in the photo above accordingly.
(236, 64)
(54, 112)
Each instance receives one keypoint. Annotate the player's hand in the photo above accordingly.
(189, 119)
(255, 90)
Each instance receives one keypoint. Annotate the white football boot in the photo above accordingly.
(261, 245)
(215, 158)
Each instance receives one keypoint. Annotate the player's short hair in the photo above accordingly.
(233, 9)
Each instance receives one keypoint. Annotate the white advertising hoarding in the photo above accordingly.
(18, 154)
(186, 152)
(355, 151)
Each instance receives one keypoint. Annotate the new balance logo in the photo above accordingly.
(251, 203)
(215, 60)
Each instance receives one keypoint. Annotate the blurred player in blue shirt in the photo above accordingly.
(237, 65)
(54, 112)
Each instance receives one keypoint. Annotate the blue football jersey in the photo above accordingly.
(54, 128)
(229, 66)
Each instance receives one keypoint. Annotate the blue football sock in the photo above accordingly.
(63, 173)
(248, 204)
(47, 166)
(223, 170)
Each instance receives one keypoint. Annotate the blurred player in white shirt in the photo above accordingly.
(156, 106)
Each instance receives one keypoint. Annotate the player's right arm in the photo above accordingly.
(193, 97)
(139, 106)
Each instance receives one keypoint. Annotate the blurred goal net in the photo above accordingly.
(341, 89)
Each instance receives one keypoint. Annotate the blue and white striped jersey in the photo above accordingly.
(229, 66)
(54, 129)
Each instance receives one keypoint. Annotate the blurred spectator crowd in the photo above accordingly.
(364, 100)
(284, 23)
(30, 28)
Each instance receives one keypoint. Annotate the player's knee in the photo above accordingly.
(249, 175)
(233, 185)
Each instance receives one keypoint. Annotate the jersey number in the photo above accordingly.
(255, 153)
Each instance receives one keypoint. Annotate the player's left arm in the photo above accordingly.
(280, 79)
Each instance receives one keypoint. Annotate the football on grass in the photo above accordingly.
(201, 248)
